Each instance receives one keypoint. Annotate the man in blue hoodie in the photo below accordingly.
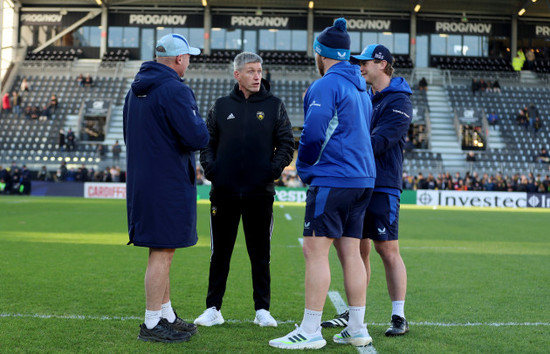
(392, 114)
(162, 129)
(335, 158)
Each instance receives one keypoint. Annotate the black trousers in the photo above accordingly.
(257, 216)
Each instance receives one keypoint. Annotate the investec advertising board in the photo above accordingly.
(472, 199)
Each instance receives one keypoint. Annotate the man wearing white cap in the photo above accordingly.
(162, 129)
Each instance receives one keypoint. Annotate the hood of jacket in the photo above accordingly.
(152, 75)
(397, 84)
(261, 95)
(349, 72)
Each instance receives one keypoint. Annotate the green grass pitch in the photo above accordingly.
(478, 281)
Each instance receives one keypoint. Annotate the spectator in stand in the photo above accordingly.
(61, 174)
(116, 149)
(25, 180)
(25, 87)
(88, 81)
(518, 60)
(43, 174)
(80, 80)
(423, 84)
(100, 151)
(522, 186)
(71, 140)
(294, 182)
(546, 184)
(532, 114)
(490, 185)
(492, 119)
(471, 156)
(53, 103)
(115, 173)
(15, 180)
(521, 118)
(107, 177)
(44, 114)
(16, 101)
(537, 125)
(530, 59)
(6, 103)
(543, 156)
(482, 86)
(5, 181)
(61, 140)
(431, 182)
(421, 182)
(496, 86)
(475, 86)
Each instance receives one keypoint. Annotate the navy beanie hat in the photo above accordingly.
(334, 41)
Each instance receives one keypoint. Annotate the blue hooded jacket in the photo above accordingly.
(335, 148)
(391, 118)
(162, 129)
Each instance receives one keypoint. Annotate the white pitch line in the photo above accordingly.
(301, 240)
(133, 318)
(288, 217)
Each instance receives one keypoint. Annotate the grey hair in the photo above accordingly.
(244, 58)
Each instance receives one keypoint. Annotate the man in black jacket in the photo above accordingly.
(251, 141)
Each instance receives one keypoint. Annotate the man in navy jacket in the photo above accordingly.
(392, 114)
(162, 129)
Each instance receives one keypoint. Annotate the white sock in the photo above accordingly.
(152, 318)
(356, 318)
(168, 312)
(311, 321)
(398, 308)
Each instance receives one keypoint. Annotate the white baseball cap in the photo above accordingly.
(174, 45)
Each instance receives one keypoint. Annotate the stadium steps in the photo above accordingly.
(529, 77)
(443, 134)
(495, 139)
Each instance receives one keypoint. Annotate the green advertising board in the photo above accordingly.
(298, 195)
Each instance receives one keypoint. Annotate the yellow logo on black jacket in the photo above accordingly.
(260, 115)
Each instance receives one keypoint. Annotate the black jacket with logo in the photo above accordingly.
(251, 142)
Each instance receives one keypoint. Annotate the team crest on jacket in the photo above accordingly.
(214, 211)
(260, 115)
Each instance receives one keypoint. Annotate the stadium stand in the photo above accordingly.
(34, 142)
(521, 143)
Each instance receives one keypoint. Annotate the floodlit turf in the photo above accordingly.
(479, 281)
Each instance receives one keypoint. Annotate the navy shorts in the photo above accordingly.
(335, 212)
(382, 217)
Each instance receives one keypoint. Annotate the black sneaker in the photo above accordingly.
(182, 326)
(341, 320)
(399, 326)
(162, 332)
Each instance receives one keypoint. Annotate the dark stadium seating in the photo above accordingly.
(35, 142)
(521, 144)
(471, 63)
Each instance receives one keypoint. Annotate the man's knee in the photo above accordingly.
(387, 250)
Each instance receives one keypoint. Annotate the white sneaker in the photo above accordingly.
(298, 339)
(264, 319)
(360, 338)
(209, 317)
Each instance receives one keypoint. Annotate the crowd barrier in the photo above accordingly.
(298, 195)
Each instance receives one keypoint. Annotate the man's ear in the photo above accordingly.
(236, 74)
